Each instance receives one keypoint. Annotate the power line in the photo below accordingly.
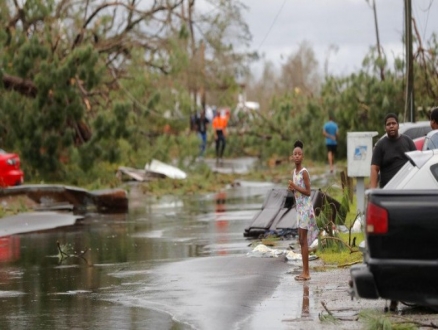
(427, 11)
(272, 25)
(428, 7)
(427, 18)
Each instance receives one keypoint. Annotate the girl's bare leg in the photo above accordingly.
(304, 252)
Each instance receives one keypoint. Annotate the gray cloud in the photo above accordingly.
(348, 24)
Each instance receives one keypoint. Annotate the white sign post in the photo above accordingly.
(359, 154)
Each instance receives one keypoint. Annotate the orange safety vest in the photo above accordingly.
(219, 123)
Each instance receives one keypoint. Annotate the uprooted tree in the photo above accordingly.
(77, 77)
(80, 79)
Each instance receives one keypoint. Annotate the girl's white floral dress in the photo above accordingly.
(304, 207)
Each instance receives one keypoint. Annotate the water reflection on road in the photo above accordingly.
(37, 291)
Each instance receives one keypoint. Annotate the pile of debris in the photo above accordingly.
(154, 169)
(278, 215)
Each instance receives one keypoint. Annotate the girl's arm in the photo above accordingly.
(304, 190)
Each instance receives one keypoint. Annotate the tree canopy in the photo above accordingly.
(97, 81)
(80, 76)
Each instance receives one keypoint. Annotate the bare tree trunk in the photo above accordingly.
(191, 3)
(23, 86)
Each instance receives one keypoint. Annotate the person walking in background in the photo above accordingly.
(307, 227)
(219, 126)
(331, 132)
(389, 153)
(201, 124)
(431, 141)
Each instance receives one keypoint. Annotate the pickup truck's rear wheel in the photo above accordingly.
(432, 307)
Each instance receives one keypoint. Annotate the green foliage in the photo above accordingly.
(327, 318)
(345, 205)
(358, 102)
(97, 84)
(106, 95)
(337, 256)
(44, 131)
(19, 206)
(330, 216)
(378, 321)
(335, 247)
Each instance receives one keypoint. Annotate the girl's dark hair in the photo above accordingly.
(298, 144)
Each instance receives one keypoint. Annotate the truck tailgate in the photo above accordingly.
(412, 228)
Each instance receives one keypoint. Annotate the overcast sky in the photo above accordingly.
(279, 26)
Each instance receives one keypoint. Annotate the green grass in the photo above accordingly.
(340, 252)
(374, 320)
(339, 258)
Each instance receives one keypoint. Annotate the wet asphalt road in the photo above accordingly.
(215, 292)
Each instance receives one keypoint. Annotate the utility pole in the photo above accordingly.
(409, 101)
(379, 48)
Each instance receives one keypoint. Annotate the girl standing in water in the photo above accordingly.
(307, 228)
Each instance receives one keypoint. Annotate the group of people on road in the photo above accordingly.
(219, 125)
(388, 157)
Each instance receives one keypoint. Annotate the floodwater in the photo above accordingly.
(139, 270)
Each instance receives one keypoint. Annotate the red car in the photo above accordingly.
(419, 142)
(10, 171)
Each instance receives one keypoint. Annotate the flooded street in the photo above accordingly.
(170, 263)
(128, 277)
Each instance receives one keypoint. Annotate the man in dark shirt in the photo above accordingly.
(388, 158)
(389, 153)
(201, 123)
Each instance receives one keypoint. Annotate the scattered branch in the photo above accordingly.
(326, 308)
(351, 263)
(64, 255)
(23, 86)
(334, 318)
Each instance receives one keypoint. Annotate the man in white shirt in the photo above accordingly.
(432, 137)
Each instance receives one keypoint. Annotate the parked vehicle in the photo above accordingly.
(415, 130)
(419, 142)
(10, 171)
(400, 256)
(420, 172)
